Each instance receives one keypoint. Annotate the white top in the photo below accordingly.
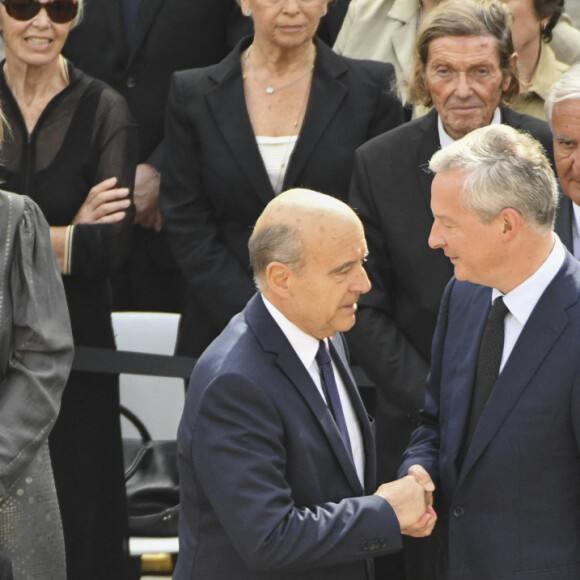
(276, 153)
(576, 230)
(306, 347)
(522, 300)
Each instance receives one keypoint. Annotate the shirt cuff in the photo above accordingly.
(67, 259)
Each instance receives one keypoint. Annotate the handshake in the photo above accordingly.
(411, 498)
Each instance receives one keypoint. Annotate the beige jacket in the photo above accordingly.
(386, 30)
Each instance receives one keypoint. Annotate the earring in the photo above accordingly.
(248, 12)
(323, 13)
(544, 26)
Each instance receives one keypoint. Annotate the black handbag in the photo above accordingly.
(151, 481)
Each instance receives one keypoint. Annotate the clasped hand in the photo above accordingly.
(411, 498)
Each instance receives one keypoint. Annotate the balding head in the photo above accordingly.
(289, 222)
(307, 251)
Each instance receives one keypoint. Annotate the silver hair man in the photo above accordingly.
(567, 87)
(503, 168)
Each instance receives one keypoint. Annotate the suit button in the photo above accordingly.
(131, 83)
(458, 511)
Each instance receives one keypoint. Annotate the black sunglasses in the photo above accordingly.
(59, 11)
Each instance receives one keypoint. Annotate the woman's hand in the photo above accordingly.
(105, 204)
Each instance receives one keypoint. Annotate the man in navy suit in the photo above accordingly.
(276, 462)
(503, 445)
(563, 113)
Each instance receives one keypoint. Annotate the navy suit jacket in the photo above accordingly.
(268, 490)
(391, 191)
(514, 509)
(564, 220)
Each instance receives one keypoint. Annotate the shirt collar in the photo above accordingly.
(445, 139)
(522, 300)
(304, 345)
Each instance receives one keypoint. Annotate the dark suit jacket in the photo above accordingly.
(268, 490)
(215, 184)
(514, 509)
(391, 340)
(170, 35)
(564, 221)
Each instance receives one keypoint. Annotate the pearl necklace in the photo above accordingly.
(269, 89)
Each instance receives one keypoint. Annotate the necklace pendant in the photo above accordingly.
(269, 90)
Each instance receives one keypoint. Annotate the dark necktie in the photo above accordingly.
(331, 392)
(487, 371)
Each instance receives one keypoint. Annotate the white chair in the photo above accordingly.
(157, 401)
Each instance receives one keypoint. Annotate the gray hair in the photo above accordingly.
(462, 18)
(275, 243)
(503, 168)
(567, 87)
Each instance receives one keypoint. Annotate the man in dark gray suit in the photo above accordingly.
(465, 67)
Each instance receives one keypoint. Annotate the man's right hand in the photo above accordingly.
(411, 498)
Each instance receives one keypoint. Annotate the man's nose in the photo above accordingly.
(435, 239)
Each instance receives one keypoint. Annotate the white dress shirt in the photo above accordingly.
(306, 347)
(522, 300)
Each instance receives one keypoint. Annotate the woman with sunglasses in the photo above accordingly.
(72, 146)
(280, 111)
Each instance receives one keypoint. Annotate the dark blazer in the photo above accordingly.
(391, 340)
(268, 490)
(215, 184)
(170, 35)
(514, 509)
(564, 221)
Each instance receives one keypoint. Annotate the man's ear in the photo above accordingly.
(510, 221)
(277, 275)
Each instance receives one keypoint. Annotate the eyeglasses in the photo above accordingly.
(59, 11)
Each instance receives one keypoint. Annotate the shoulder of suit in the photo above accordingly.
(460, 292)
(407, 134)
(533, 125)
(338, 63)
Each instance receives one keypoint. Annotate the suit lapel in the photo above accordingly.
(234, 123)
(403, 38)
(563, 226)
(113, 16)
(545, 325)
(428, 145)
(361, 414)
(293, 368)
(273, 340)
(147, 12)
(462, 354)
(326, 95)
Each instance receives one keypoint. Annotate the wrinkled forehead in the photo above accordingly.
(473, 49)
